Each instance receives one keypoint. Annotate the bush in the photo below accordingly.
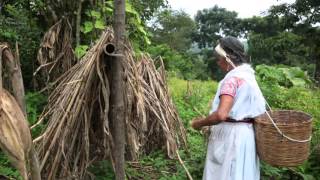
(281, 91)
(287, 88)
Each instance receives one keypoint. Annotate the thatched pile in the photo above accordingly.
(55, 55)
(153, 123)
(78, 128)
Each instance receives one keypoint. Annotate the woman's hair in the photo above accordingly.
(234, 49)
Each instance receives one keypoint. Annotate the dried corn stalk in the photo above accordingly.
(154, 123)
(78, 129)
(15, 138)
(55, 55)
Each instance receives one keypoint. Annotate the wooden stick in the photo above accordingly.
(184, 167)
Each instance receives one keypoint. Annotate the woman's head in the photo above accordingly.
(233, 49)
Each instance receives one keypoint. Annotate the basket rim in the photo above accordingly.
(259, 121)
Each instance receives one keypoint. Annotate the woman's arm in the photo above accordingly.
(222, 113)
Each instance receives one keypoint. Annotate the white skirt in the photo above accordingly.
(231, 153)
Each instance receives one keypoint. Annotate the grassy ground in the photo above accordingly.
(192, 99)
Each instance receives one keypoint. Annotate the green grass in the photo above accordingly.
(192, 99)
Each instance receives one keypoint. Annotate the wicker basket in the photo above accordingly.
(278, 150)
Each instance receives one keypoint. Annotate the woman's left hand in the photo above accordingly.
(195, 123)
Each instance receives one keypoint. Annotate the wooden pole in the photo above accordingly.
(117, 93)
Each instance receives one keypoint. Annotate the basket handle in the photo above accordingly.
(280, 132)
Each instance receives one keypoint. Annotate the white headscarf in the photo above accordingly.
(223, 53)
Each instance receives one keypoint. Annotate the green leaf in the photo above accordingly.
(141, 30)
(81, 50)
(298, 82)
(306, 176)
(107, 9)
(95, 14)
(147, 40)
(110, 3)
(88, 27)
(99, 24)
(130, 10)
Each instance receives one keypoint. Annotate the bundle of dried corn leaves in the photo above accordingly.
(78, 129)
(55, 55)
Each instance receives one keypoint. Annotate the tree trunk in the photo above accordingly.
(117, 94)
(78, 23)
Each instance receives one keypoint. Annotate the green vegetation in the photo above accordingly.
(283, 46)
(290, 88)
(192, 99)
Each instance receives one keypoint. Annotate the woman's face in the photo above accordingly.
(223, 64)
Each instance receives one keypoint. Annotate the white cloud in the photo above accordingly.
(245, 8)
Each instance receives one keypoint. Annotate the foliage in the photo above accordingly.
(6, 169)
(96, 23)
(301, 17)
(174, 28)
(102, 170)
(18, 24)
(100, 16)
(147, 8)
(282, 76)
(191, 95)
(35, 103)
(135, 26)
(192, 99)
(184, 65)
(287, 88)
(282, 48)
(81, 50)
(214, 23)
(288, 35)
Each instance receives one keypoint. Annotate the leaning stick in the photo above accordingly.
(184, 167)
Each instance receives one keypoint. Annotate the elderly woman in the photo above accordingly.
(231, 153)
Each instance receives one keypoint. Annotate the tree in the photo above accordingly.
(283, 48)
(216, 22)
(18, 24)
(186, 65)
(147, 8)
(174, 28)
(267, 26)
(301, 18)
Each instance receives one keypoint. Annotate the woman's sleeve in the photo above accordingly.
(230, 86)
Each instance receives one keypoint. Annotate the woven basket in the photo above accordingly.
(276, 149)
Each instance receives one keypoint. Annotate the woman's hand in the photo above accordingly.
(195, 123)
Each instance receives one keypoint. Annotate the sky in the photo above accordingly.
(244, 8)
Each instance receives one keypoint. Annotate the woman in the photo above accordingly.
(231, 153)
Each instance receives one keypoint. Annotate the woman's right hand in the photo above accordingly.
(195, 123)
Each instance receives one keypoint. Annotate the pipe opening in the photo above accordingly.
(109, 49)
